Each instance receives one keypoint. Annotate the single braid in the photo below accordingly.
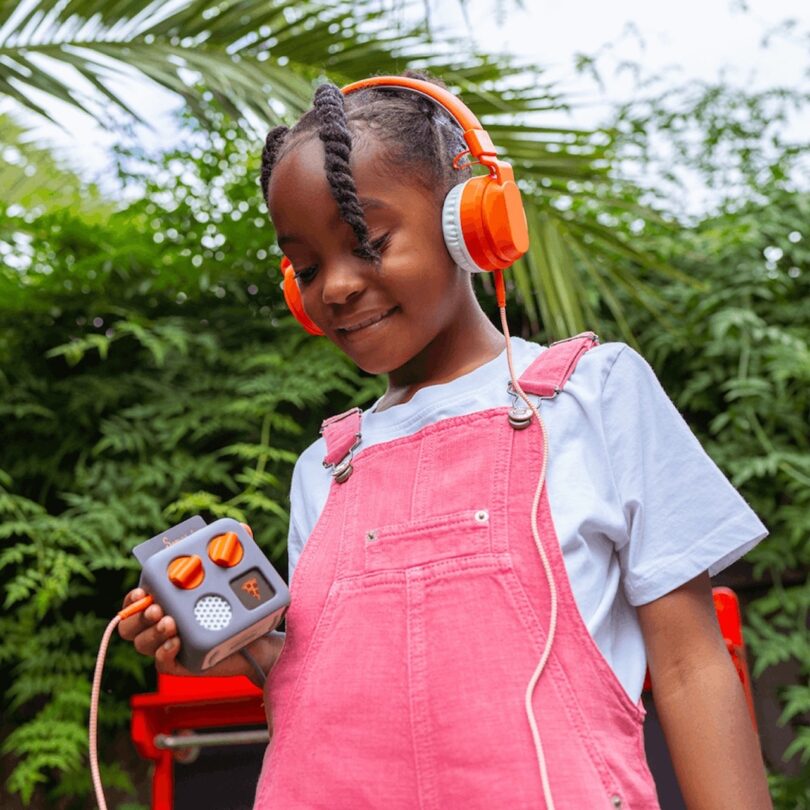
(272, 144)
(334, 132)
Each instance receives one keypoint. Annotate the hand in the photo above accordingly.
(155, 634)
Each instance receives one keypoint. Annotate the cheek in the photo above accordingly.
(311, 299)
(424, 270)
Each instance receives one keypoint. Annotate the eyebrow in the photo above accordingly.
(365, 203)
(372, 202)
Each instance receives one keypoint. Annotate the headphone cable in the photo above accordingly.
(500, 292)
(92, 728)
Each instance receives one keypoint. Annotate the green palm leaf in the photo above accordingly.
(31, 178)
(258, 62)
(243, 52)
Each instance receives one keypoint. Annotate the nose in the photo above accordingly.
(343, 280)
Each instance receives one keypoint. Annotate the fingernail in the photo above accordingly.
(169, 644)
(161, 626)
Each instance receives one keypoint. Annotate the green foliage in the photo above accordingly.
(736, 359)
(149, 372)
(245, 54)
(750, 390)
(257, 62)
(30, 177)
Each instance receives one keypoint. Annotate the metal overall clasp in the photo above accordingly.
(342, 469)
(520, 415)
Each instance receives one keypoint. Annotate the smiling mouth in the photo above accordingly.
(356, 327)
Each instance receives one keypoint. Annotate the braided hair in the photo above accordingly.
(415, 132)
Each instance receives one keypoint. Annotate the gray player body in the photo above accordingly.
(232, 604)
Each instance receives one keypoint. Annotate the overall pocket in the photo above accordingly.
(421, 542)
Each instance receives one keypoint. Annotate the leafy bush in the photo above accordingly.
(737, 361)
(149, 365)
(735, 355)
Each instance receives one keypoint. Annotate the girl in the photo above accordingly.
(484, 562)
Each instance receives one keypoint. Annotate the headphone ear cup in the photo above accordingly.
(484, 224)
(453, 230)
(292, 295)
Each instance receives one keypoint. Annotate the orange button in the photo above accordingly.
(225, 550)
(186, 572)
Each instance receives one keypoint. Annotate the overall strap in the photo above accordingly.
(548, 374)
(342, 435)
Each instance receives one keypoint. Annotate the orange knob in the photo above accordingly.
(186, 572)
(225, 550)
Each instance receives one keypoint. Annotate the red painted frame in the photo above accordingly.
(188, 703)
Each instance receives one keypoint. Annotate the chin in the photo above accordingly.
(379, 365)
(372, 367)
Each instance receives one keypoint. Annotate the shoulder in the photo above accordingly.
(621, 385)
(617, 371)
(597, 360)
(602, 360)
(309, 462)
(602, 363)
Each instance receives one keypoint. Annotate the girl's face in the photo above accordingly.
(407, 314)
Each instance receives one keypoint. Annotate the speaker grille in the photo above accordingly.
(212, 612)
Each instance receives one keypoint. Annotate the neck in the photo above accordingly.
(468, 343)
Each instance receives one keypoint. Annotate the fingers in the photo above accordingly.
(130, 627)
(149, 630)
(150, 640)
(165, 655)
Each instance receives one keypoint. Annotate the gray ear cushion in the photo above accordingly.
(451, 226)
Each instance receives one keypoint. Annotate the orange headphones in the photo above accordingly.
(483, 220)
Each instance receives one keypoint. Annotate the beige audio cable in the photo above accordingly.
(92, 730)
(500, 292)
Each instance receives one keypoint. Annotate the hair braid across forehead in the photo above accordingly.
(334, 132)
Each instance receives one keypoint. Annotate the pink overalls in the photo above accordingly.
(418, 615)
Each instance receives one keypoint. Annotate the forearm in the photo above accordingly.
(714, 749)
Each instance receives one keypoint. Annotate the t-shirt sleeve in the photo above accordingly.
(295, 545)
(295, 536)
(682, 515)
(308, 491)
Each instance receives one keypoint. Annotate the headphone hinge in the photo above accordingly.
(479, 142)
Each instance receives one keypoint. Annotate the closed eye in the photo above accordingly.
(306, 274)
(379, 244)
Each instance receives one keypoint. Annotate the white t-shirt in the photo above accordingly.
(638, 506)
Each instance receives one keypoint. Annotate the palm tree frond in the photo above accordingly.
(259, 59)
